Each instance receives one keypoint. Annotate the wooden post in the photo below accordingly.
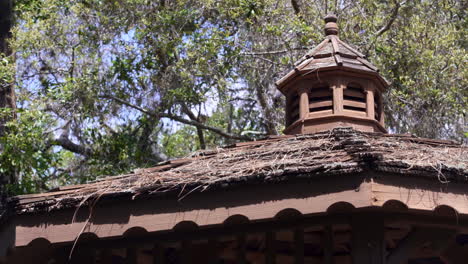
(158, 254)
(303, 102)
(368, 241)
(370, 111)
(288, 111)
(380, 110)
(186, 252)
(106, 256)
(382, 116)
(328, 245)
(338, 88)
(241, 249)
(299, 246)
(131, 257)
(270, 257)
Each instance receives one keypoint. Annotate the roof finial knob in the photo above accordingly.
(331, 28)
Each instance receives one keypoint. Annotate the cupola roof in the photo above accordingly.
(330, 54)
(332, 86)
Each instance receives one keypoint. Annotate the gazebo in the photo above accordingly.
(335, 189)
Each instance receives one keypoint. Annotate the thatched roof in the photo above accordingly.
(274, 159)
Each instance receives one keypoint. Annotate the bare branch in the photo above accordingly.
(178, 119)
(392, 19)
(274, 52)
(296, 7)
(387, 26)
(201, 137)
(67, 144)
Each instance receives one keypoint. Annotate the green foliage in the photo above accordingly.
(25, 151)
(7, 73)
(116, 77)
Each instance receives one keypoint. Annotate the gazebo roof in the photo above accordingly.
(342, 151)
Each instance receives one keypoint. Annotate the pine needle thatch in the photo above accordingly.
(275, 159)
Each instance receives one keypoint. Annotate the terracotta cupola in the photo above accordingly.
(333, 85)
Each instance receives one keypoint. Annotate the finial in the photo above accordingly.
(331, 28)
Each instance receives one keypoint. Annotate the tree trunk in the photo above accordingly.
(7, 92)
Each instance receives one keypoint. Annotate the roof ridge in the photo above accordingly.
(355, 51)
(311, 52)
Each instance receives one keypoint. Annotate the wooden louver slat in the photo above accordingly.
(354, 104)
(354, 100)
(292, 113)
(354, 92)
(320, 104)
(320, 99)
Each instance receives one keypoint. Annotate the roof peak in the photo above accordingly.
(331, 27)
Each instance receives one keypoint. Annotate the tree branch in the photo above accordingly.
(178, 119)
(392, 19)
(387, 26)
(67, 144)
(296, 7)
(274, 52)
(201, 137)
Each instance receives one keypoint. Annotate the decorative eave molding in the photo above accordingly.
(329, 194)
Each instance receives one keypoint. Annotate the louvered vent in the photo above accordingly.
(321, 100)
(354, 100)
(292, 109)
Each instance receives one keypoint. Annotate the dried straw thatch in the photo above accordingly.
(340, 151)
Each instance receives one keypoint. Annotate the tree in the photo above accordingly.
(7, 91)
(108, 86)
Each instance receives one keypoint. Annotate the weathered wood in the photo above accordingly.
(160, 215)
(416, 193)
(334, 41)
(355, 113)
(320, 104)
(337, 97)
(370, 108)
(380, 111)
(354, 104)
(368, 241)
(354, 93)
(320, 92)
(299, 245)
(303, 103)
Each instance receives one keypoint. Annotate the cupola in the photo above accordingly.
(333, 85)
